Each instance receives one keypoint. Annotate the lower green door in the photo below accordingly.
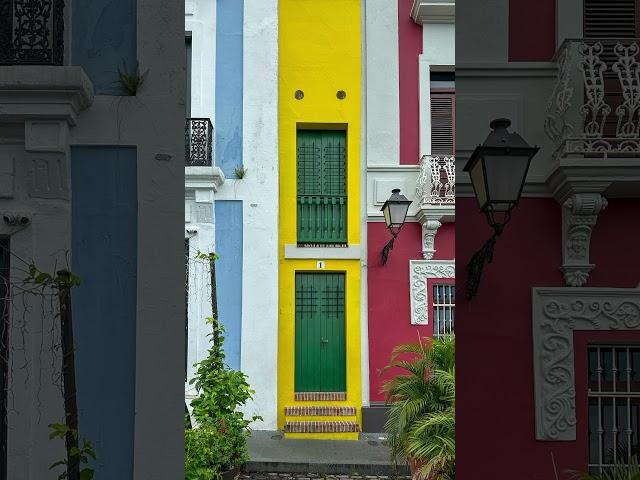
(320, 333)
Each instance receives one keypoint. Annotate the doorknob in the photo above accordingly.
(324, 340)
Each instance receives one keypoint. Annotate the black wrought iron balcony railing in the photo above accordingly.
(198, 142)
(594, 108)
(31, 32)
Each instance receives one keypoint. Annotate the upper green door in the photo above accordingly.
(320, 333)
(321, 171)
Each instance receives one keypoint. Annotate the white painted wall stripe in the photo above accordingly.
(382, 87)
(259, 191)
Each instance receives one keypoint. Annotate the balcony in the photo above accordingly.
(198, 142)
(435, 198)
(436, 184)
(322, 219)
(31, 33)
(594, 108)
(201, 175)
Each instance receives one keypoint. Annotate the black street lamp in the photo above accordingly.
(395, 213)
(498, 169)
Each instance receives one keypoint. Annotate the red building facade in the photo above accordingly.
(549, 349)
(410, 140)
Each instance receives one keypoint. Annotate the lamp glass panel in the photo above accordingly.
(387, 217)
(505, 175)
(398, 213)
(477, 178)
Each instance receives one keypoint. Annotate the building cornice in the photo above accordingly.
(203, 178)
(433, 11)
(44, 93)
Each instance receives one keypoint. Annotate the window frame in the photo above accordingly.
(613, 394)
(431, 305)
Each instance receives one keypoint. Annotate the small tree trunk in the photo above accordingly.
(214, 302)
(69, 376)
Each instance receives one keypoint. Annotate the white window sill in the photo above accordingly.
(351, 252)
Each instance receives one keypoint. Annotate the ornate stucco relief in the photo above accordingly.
(419, 272)
(557, 313)
(579, 216)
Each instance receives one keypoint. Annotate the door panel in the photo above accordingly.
(320, 333)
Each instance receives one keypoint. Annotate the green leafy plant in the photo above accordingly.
(211, 256)
(421, 422)
(131, 81)
(240, 172)
(213, 449)
(219, 442)
(620, 471)
(80, 454)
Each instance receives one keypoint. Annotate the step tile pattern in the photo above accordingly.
(313, 476)
(320, 396)
(335, 426)
(320, 411)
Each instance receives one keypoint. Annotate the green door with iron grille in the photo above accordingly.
(320, 333)
(321, 162)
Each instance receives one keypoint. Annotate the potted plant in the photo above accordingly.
(216, 447)
(421, 422)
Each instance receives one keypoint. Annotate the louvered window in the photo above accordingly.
(611, 18)
(322, 187)
(443, 123)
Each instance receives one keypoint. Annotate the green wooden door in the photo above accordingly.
(321, 172)
(320, 333)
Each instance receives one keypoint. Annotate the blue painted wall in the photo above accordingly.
(228, 121)
(229, 275)
(104, 36)
(104, 253)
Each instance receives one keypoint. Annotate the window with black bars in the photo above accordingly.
(614, 405)
(444, 307)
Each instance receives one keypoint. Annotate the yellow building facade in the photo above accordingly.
(319, 360)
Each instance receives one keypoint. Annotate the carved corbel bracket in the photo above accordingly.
(430, 228)
(579, 216)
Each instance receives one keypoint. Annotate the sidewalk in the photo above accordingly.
(270, 452)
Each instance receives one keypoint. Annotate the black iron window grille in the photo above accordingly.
(614, 406)
(31, 32)
(198, 142)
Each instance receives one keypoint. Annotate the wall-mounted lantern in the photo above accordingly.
(395, 213)
(498, 169)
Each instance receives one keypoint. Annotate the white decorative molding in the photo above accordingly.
(7, 176)
(203, 178)
(419, 272)
(29, 91)
(433, 11)
(557, 313)
(47, 176)
(429, 231)
(579, 216)
(352, 252)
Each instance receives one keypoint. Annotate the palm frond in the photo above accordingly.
(620, 471)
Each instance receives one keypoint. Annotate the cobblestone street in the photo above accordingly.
(313, 476)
